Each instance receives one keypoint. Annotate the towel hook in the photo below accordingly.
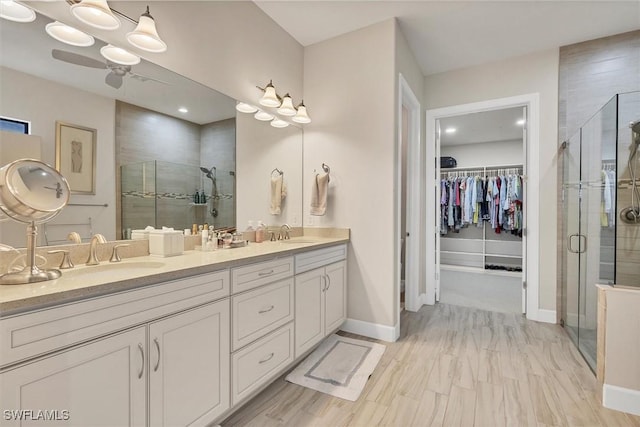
(277, 170)
(326, 168)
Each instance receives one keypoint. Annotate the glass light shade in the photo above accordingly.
(119, 55)
(245, 108)
(263, 116)
(286, 108)
(145, 36)
(68, 35)
(95, 13)
(301, 116)
(16, 12)
(270, 99)
(279, 123)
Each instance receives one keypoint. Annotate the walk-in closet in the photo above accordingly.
(482, 210)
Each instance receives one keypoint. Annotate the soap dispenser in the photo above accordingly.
(260, 232)
(250, 232)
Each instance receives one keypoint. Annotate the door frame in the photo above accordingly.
(532, 177)
(408, 100)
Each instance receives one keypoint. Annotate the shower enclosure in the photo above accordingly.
(600, 239)
(161, 194)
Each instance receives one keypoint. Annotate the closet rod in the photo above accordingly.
(483, 167)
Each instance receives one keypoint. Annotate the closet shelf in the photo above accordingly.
(503, 256)
(461, 253)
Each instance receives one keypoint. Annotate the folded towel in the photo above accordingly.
(319, 194)
(278, 192)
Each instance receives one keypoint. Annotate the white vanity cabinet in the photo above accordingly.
(320, 296)
(100, 383)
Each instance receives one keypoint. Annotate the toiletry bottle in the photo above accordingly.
(260, 232)
(203, 198)
(204, 239)
(212, 241)
(196, 197)
(250, 233)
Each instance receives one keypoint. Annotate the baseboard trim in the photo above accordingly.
(372, 330)
(547, 316)
(621, 399)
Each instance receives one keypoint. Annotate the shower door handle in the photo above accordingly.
(581, 248)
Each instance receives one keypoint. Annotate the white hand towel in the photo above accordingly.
(319, 194)
(276, 195)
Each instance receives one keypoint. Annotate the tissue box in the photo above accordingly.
(139, 234)
(166, 243)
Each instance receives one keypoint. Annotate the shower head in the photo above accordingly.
(210, 173)
(205, 170)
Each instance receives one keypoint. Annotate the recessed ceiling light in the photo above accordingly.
(520, 122)
(16, 12)
(183, 110)
(68, 35)
(450, 130)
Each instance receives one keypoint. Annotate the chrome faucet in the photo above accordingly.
(93, 258)
(287, 229)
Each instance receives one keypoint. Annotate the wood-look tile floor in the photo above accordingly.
(455, 366)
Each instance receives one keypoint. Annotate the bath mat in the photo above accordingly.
(340, 367)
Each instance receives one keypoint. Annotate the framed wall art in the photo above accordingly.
(76, 156)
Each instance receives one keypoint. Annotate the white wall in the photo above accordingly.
(350, 89)
(534, 73)
(43, 103)
(261, 148)
(485, 154)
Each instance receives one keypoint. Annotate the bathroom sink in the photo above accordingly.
(115, 270)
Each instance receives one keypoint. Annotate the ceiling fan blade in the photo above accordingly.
(113, 80)
(74, 58)
(145, 78)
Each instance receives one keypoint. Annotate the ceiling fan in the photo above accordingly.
(116, 71)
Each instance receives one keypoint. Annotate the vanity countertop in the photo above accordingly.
(91, 281)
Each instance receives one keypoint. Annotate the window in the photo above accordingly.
(15, 125)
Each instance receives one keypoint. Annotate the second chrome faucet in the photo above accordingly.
(93, 258)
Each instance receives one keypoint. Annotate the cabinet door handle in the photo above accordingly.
(328, 281)
(265, 360)
(155, 340)
(265, 273)
(267, 310)
(142, 359)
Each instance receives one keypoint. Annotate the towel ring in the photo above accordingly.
(326, 168)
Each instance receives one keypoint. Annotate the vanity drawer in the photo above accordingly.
(314, 259)
(254, 275)
(260, 311)
(259, 362)
(28, 335)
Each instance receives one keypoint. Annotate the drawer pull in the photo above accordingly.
(142, 358)
(267, 310)
(155, 340)
(265, 273)
(269, 357)
(328, 282)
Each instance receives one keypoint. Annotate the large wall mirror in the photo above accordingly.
(150, 156)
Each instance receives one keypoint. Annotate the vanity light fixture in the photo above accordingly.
(263, 116)
(16, 12)
(96, 13)
(286, 107)
(246, 108)
(119, 55)
(270, 98)
(279, 123)
(69, 35)
(450, 130)
(301, 114)
(145, 36)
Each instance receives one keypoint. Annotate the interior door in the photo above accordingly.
(436, 204)
(525, 131)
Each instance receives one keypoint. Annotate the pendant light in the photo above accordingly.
(16, 12)
(279, 123)
(263, 116)
(286, 108)
(301, 114)
(145, 36)
(68, 35)
(96, 13)
(245, 108)
(119, 55)
(270, 98)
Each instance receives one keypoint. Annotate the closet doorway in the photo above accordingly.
(481, 209)
(477, 245)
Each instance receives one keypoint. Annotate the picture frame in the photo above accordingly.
(76, 156)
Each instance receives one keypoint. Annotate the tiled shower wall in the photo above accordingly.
(180, 148)
(590, 74)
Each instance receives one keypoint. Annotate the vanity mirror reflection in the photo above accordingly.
(151, 157)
